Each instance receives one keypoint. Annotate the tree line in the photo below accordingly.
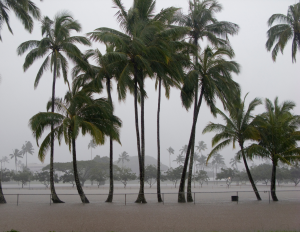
(165, 47)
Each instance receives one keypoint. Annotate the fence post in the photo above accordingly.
(125, 198)
(194, 198)
(18, 200)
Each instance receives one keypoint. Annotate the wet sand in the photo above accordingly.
(212, 211)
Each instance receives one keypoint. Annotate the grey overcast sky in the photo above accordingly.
(259, 75)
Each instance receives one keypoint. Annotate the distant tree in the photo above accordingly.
(227, 174)
(68, 177)
(262, 172)
(6, 175)
(150, 174)
(217, 161)
(15, 155)
(123, 157)
(27, 148)
(234, 161)
(287, 29)
(174, 174)
(124, 175)
(201, 176)
(23, 177)
(44, 178)
(201, 146)
(282, 175)
(179, 159)
(92, 145)
(183, 150)
(171, 151)
(202, 161)
(98, 175)
(294, 175)
(3, 161)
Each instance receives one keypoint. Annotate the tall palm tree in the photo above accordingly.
(24, 11)
(279, 137)
(27, 148)
(287, 29)
(107, 68)
(78, 112)
(239, 128)
(202, 161)
(15, 155)
(201, 146)
(92, 145)
(203, 23)
(183, 149)
(213, 75)
(56, 44)
(136, 44)
(171, 151)
(123, 157)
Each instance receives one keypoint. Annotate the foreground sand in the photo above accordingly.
(212, 211)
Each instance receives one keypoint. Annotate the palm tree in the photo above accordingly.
(123, 157)
(107, 68)
(217, 161)
(239, 127)
(15, 155)
(27, 148)
(3, 161)
(23, 9)
(288, 29)
(201, 19)
(234, 161)
(183, 149)
(201, 146)
(57, 41)
(78, 112)
(279, 135)
(213, 73)
(136, 45)
(171, 151)
(179, 159)
(91, 145)
(202, 161)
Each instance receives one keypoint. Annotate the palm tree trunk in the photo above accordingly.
(2, 199)
(54, 196)
(78, 185)
(181, 196)
(189, 188)
(249, 174)
(159, 199)
(26, 159)
(111, 174)
(141, 196)
(273, 182)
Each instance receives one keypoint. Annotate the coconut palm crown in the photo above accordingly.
(24, 11)
(287, 29)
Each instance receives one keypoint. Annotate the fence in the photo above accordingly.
(168, 198)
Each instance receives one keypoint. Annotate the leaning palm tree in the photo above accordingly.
(136, 44)
(239, 128)
(92, 145)
(203, 23)
(123, 157)
(213, 75)
(27, 148)
(77, 113)
(23, 9)
(56, 45)
(15, 155)
(171, 151)
(287, 29)
(279, 137)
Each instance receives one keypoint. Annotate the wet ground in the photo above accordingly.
(212, 211)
